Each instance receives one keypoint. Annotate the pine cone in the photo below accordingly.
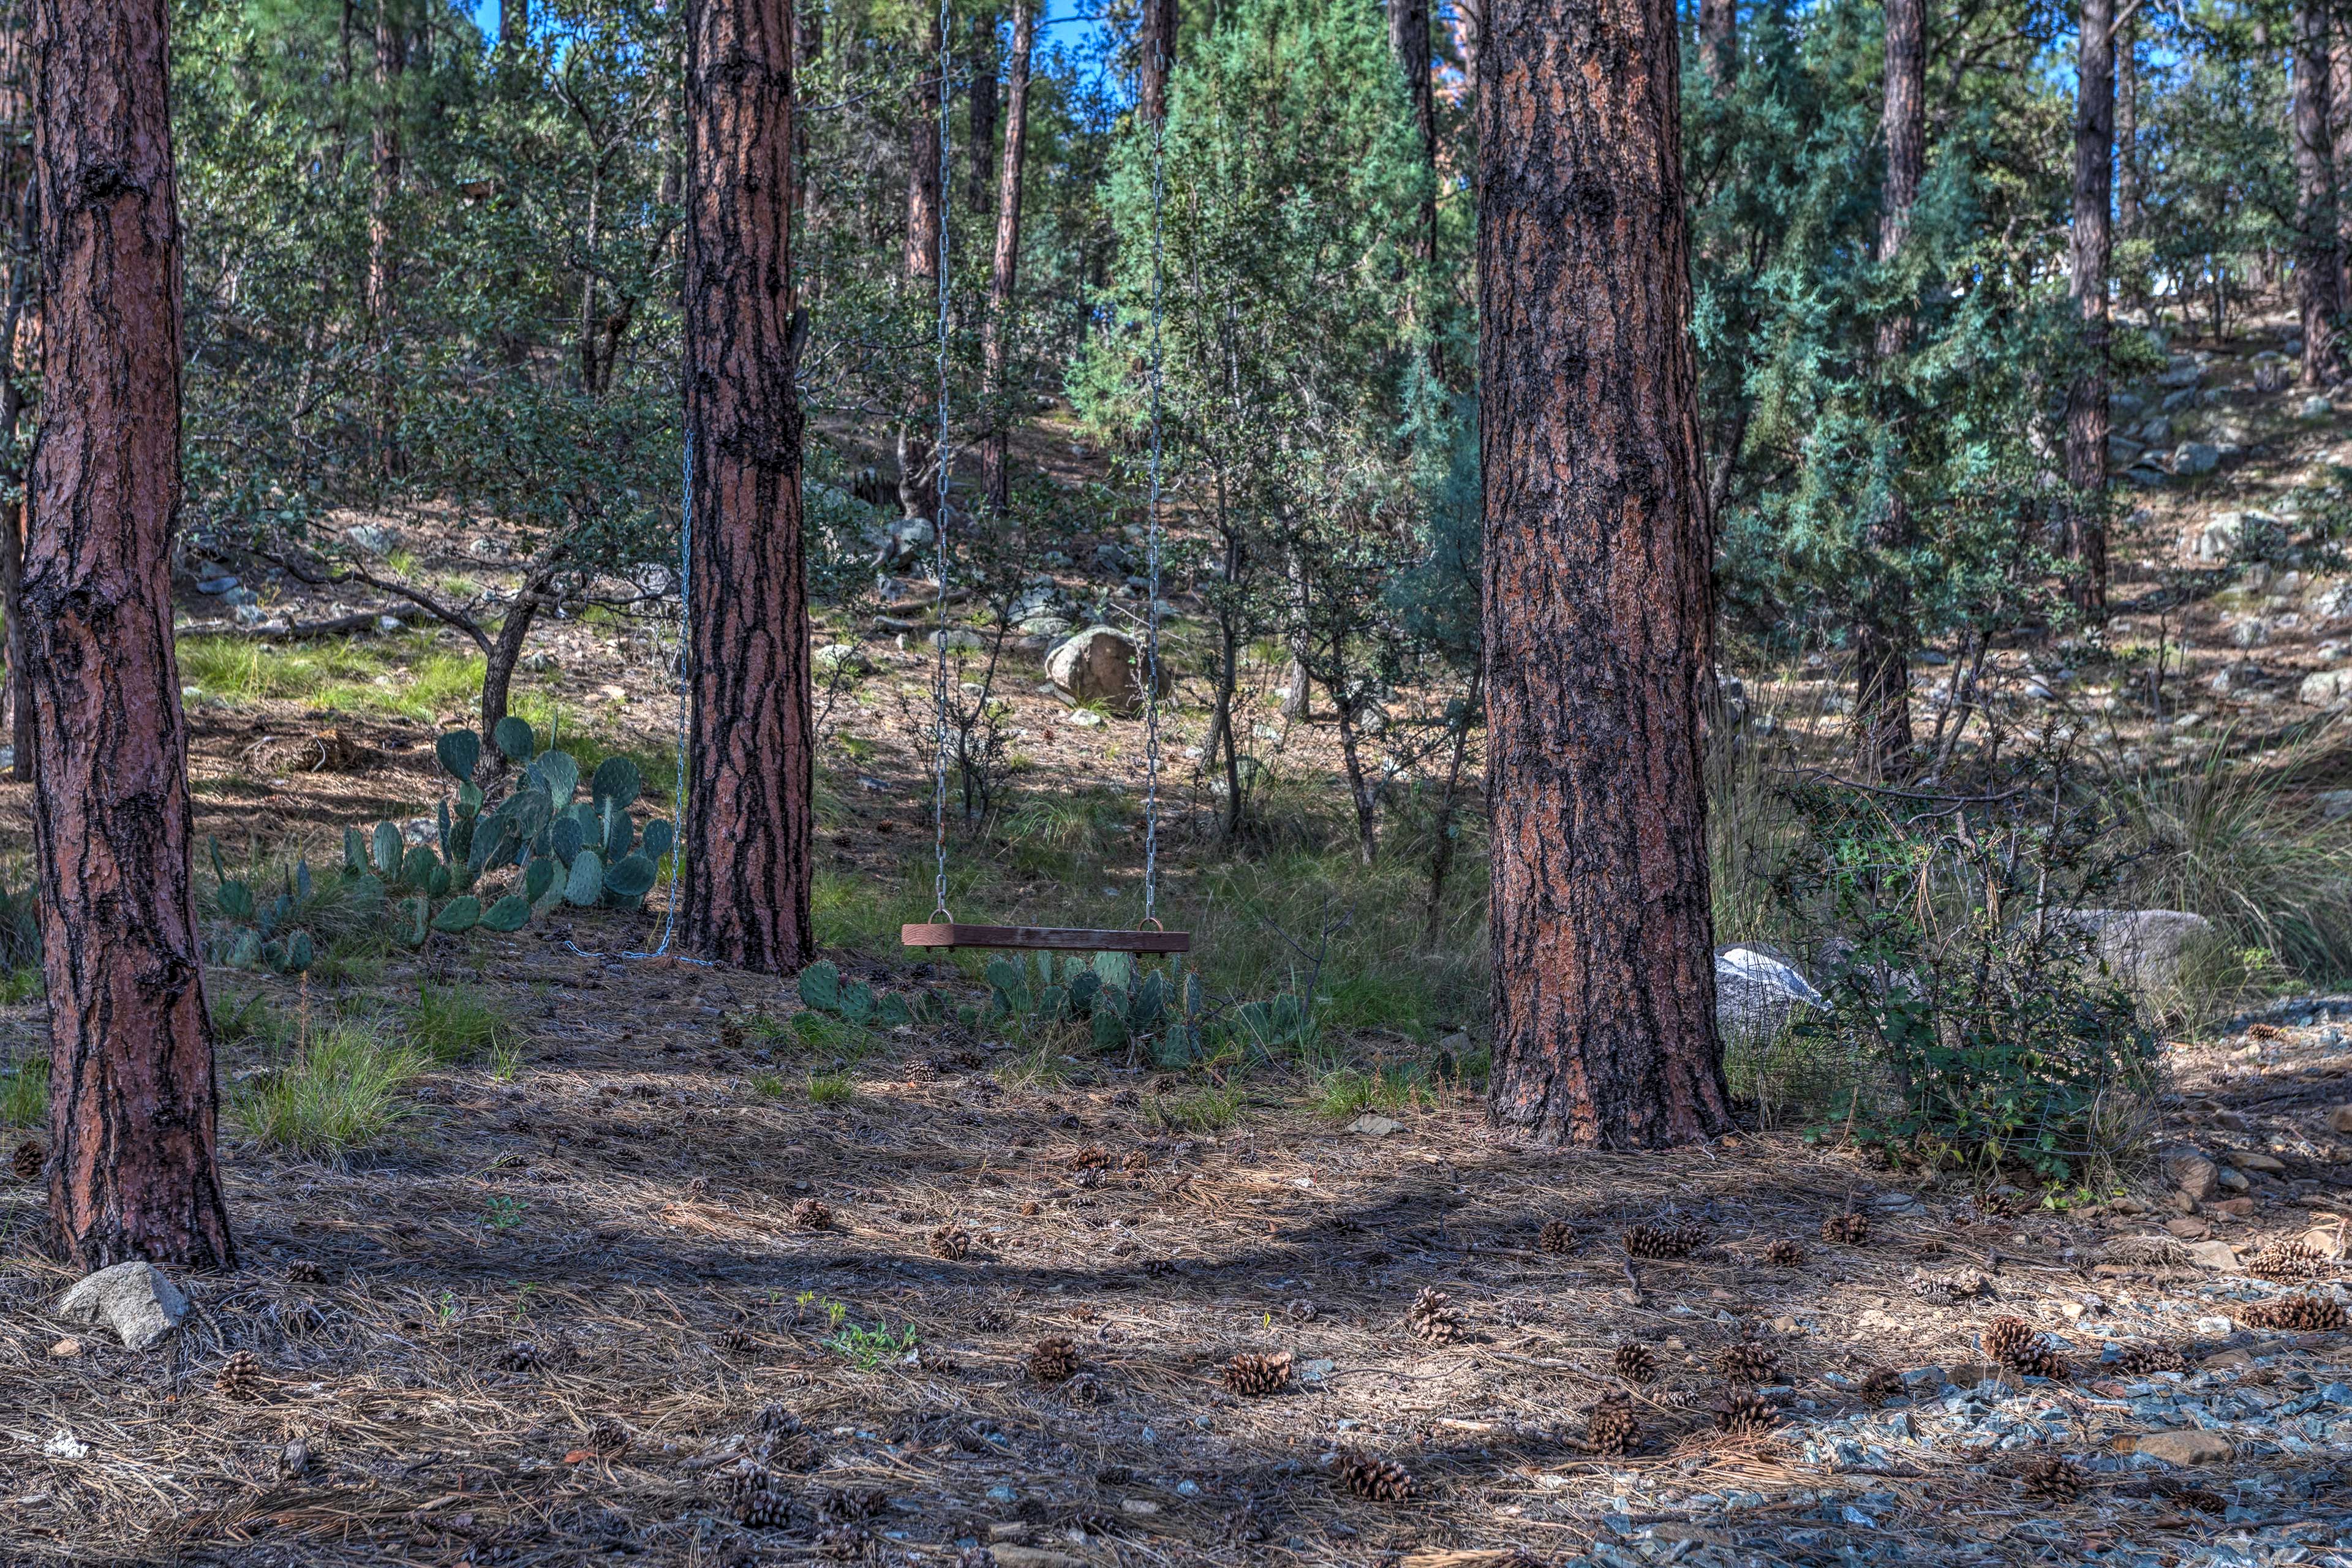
(1664, 1241)
(2041, 1361)
(776, 1418)
(787, 1451)
(2303, 1314)
(739, 1338)
(2056, 1478)
(27, 1160)
(1950, 1286)
(302, 1271)
(1093, 1157)
(1254, 1377)
(1369, 1476)
(1847, 1229)
(2283, 1262)
(1611, 1428)
(1557, 1236)
(525, 1356)
(953, 1242)
(836, 1504)
(1785, 1253)
(1052, 1360)
(730, 1035)
(1884, 1382)
(605, 1437)
(1746, 1413)
(1433, 1316)
(1749, 1361)
(762, 1508)
(239, 1377)
(1634, 1363)
(1301, 1310)
(1158, 1269)
(2140, 1360)
(740, 1480)
(846, 1543)
(810, 1214)
(2006, 1339)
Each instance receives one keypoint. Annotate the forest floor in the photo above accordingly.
(552, 1315)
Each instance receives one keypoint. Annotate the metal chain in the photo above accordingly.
(1151, 547)
(940, 514)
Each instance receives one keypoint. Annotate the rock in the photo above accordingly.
(1142, 1507)
(2144, 948)
(1756, 994)
(841, 659)
(372, 538)
(2236, 1209)
(1084, 717)
(2196, 458)
(2335, 804)
(959, 639)
(2247, 1159)
(2188, 1229)
(389, 623)
(64, 1445)
(135, 1299)
(2327, 688)
(1010, 1556)
(1372, 1124)
(2184, 371)
(2212, 1254)
(2313, 407)
(1099, 665)
(486, 549)
(219, 585)
(2187, 1447)
(1043, 625)
(2340, 1118)
(2234, 1181)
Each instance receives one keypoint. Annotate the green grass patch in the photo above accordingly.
(1351, 1092)
(21, 984)
(25, 1092)
(247, 1020)
(831, 1089)
(453, 1023)
(1204, 1109)
(348, 1090)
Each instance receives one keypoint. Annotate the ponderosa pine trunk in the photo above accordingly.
(133, 1103)
(2128, 130)
(1882, 629)
(1155, 57)
(1409, 41)
(747, 835)
(1598, 620)
(2319, 260)
(917, 495)
(2087, 396)
(1004, 274)
(384, 193)
(1718, 43)
(980, 156)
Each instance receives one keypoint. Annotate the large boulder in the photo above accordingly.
(2196, 458)
(2145, 948)
(135, 1299)
(2328, 688)
(1101, 667)
(1756, 995)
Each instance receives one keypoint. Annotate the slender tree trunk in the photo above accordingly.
(917, 497)
(747, 833)
(1004, 276)
(1449, 812)
(17, 189)
(1469, 31)
(498, 666)
(2128, 130)
(1598, 628)
(1155, 52)
(2339, 145)
(391, 61)
(514, 25)
(132, 1170)
(1718, 43)
(981, 154)
(13, 530)
(1882, 629)
(2319, 262)
(1360, 793)
(2086, 396)
(1409, 41)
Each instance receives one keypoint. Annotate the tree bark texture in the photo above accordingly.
(1598, 625)
(918, 497)
(2319, 257)
(747, 833)
(1004, 275)
(2128, 130)
(132, 1104)
(514, 24)
(383, 262)
(1409, 41)
(981, 166)
(1718, 43)
(1155, 53)
(2087, 396)
(1881, 628)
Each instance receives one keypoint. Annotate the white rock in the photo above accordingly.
(2328, 688)
(372, 538)
(1100, 666)
(1756, 995)
(135, 1299)
(64, 1445)
(2313, 407)
(2143, 947)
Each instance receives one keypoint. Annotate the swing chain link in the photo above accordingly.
(940, 511)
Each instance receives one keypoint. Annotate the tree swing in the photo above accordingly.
(942, 930)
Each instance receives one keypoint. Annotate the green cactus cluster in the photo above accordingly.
(823, 990)
(1100, 991)
(266, 929)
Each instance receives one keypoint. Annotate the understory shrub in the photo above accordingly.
(344, 1090)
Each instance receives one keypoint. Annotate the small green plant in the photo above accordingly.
(870, 1349)
(1205, 1109)
(25, 1092)
(831, 1089)
(20, 985)
(768, 1086)
(345, 1090)
(504, 1213)
(453, 1023)
(1040, 1067)
(264, 929)
(1351, 1092)
(505, 1062)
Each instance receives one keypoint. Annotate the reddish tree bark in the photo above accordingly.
(747, 833)
(132, 1172)
(2318, 259)
(1598, 625)
(2086, 396)
(918, 496)
(1409, 41)
(1719, 42)
(1155, 57)
(391, 61)
(983, 107)
(1881, 631)
(1004, 276)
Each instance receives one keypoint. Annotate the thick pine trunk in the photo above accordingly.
(2128, 130)
(1004, 276)
(2086, 397)
(981, 166)
(133, 1103)
(2318, 259)
(747, 833)
(917, 495)
(1409, 41)
(1155, 55)
(1599, 626)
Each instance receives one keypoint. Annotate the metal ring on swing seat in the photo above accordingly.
(939, 916)
(1152, 921)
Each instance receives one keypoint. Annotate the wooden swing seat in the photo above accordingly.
(1053, 939)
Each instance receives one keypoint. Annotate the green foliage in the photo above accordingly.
(871, 1349)
(1207, 1109)
(452, 1023)
(345, 1090)
(22, 985)
(832, 1088)
(24, 1092)
(1349, 1091)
